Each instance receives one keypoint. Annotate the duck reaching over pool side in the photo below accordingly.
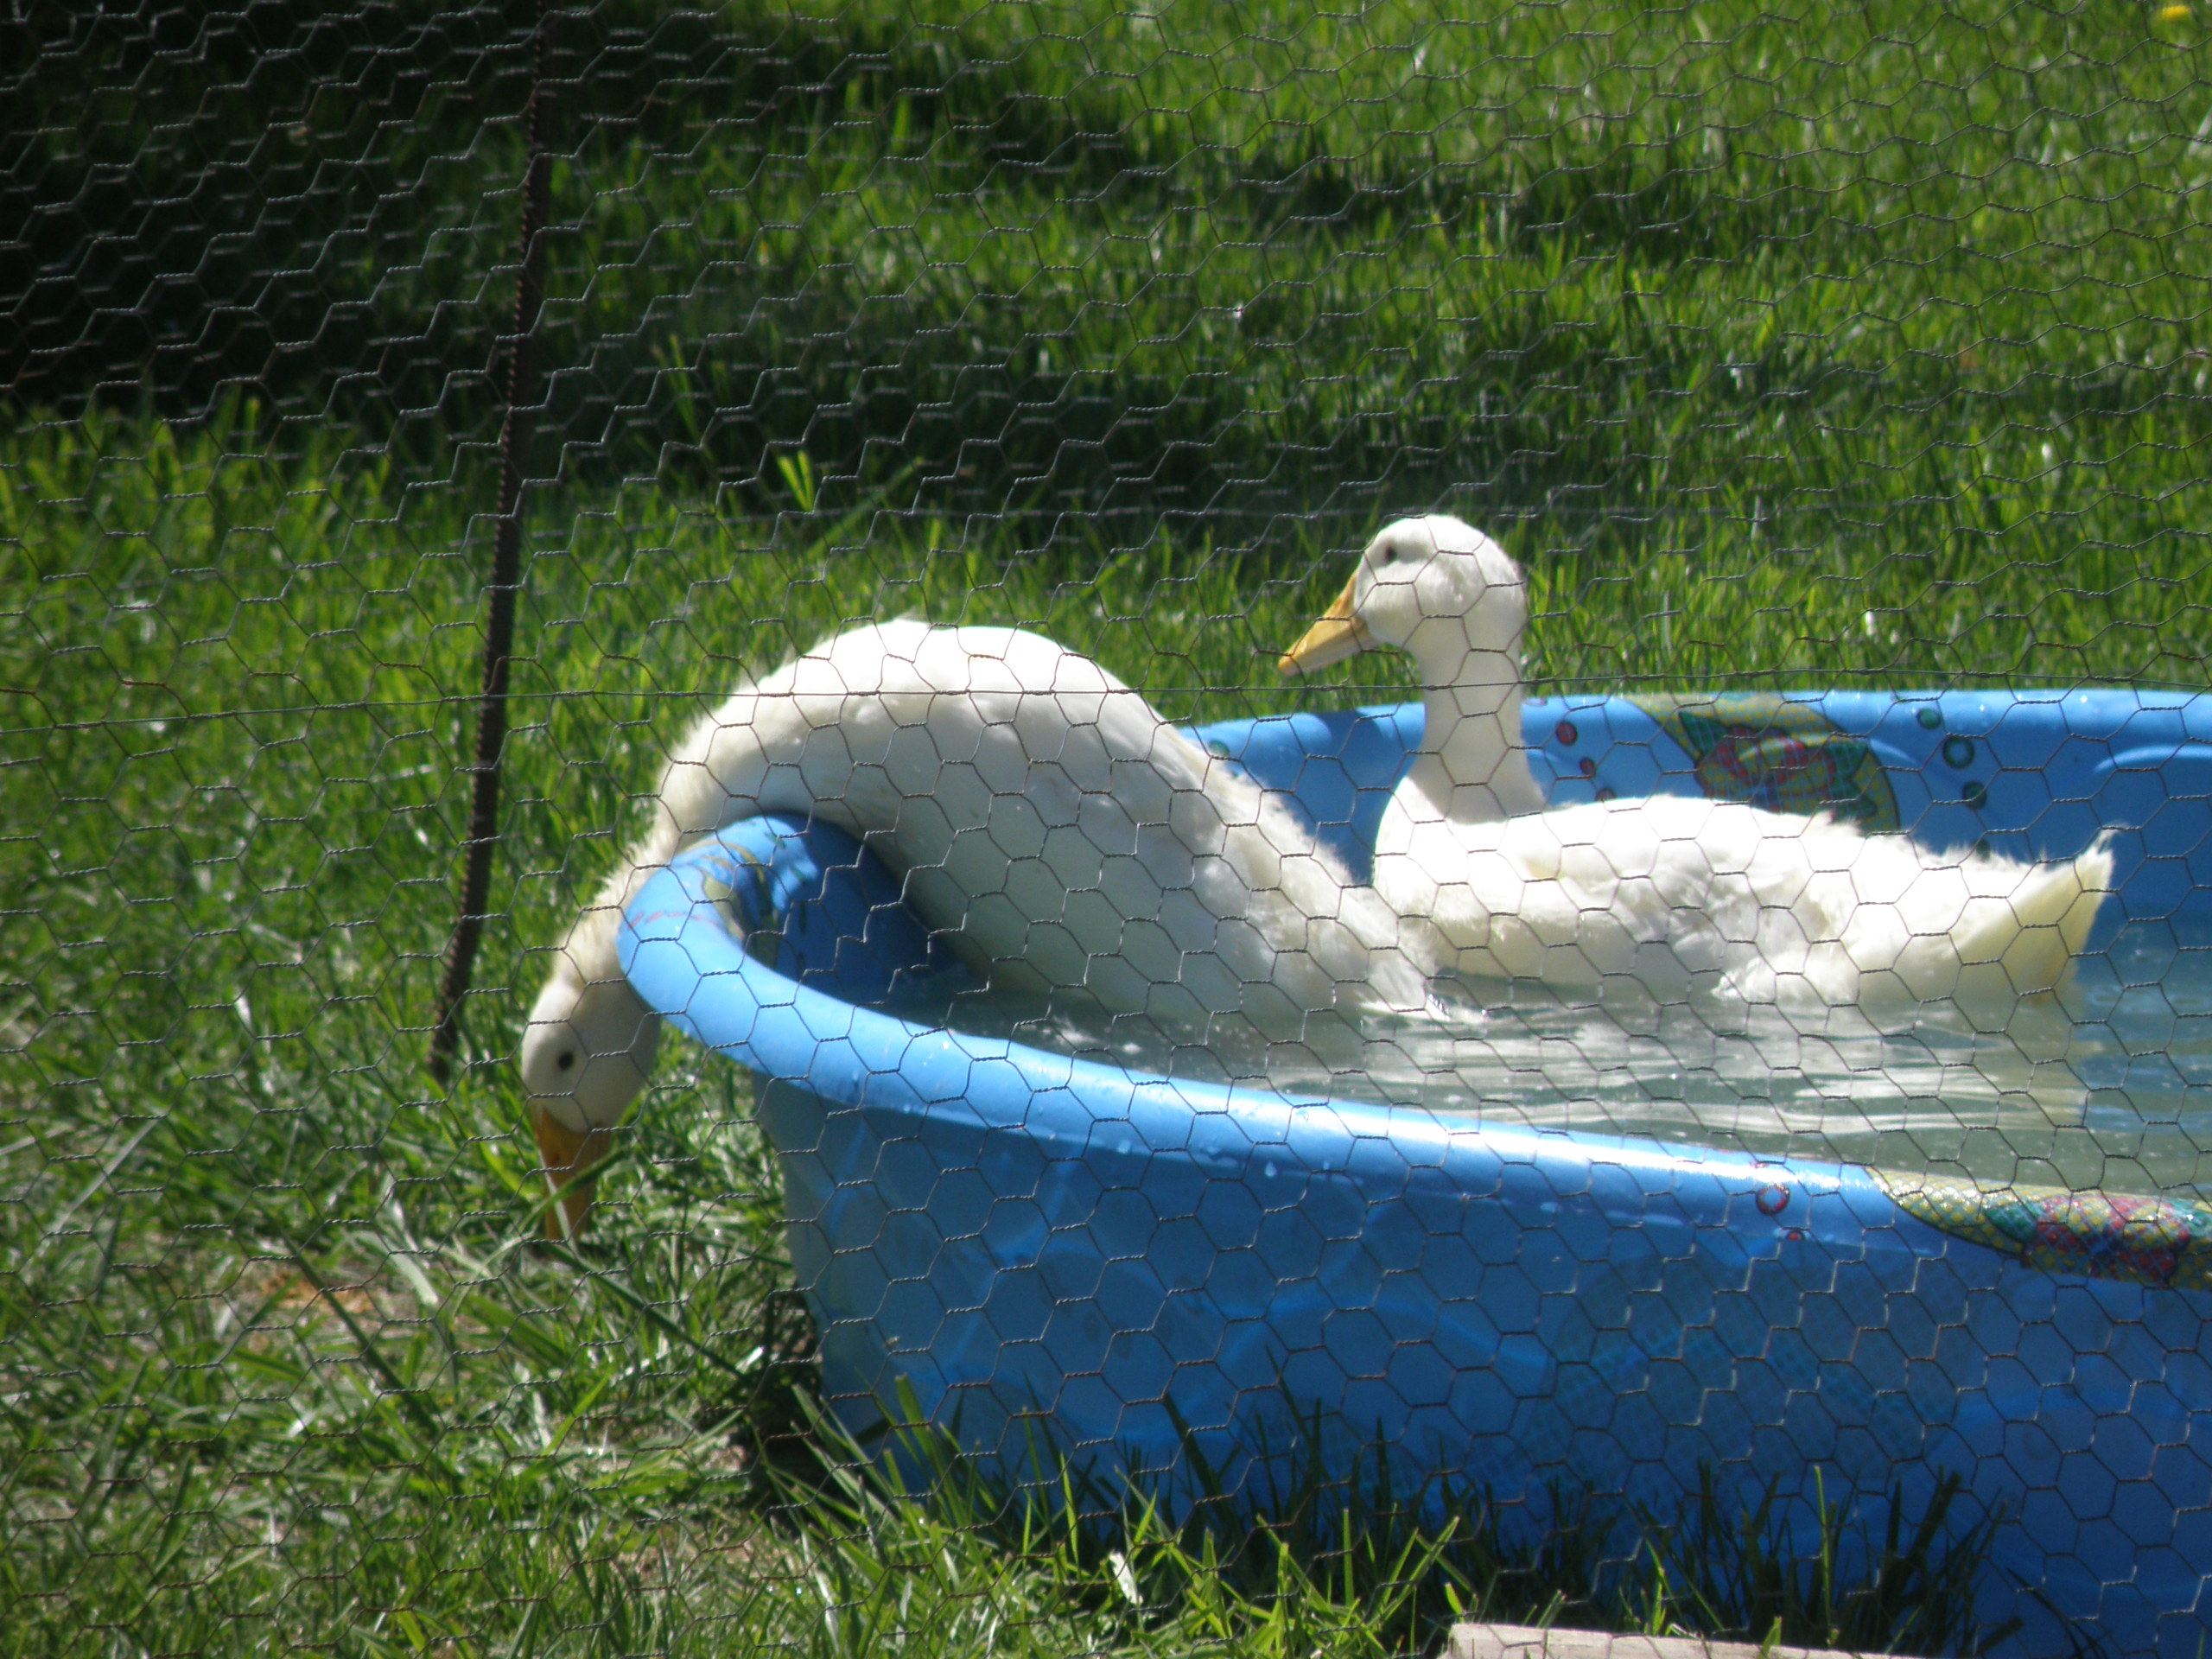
(1678, 895)
(1046, 820)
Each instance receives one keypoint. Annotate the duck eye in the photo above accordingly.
(566, 1058)
(1390, 554)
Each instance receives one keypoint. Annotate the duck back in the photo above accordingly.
(1684, 896)
(1046, 819)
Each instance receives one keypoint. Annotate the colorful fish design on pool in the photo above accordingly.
(2147, 1240)
(1772, 753)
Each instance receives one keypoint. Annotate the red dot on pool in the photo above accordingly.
(1566, 733)
(1589, 767)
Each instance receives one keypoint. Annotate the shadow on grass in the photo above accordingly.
(1310, 1548)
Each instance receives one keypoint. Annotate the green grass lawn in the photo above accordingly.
(1784, 348)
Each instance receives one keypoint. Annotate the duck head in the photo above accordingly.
(585, 1057)
(1442, 590)
(1435, 587)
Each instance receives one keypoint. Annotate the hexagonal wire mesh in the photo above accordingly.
(1648, 1074)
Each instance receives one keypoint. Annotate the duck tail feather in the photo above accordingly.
(2093, 874)
(2045, 923)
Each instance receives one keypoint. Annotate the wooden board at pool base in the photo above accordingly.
(1525, 1641)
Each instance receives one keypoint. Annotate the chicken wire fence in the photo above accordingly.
(1686, 1115)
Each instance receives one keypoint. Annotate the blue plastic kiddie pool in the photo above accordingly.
(1015, 1235)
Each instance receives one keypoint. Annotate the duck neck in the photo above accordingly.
(1473, 763)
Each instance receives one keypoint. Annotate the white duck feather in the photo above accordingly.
(1057, 830)
(1678, 895)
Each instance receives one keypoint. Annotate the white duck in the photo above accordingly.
(1677, 895)
(1046, 817)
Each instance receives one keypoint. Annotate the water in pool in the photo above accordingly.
(2109, 1084)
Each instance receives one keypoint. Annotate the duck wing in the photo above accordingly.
(1921, 924)
(1679, 893)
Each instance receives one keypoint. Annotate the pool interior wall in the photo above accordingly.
(1014, 1234)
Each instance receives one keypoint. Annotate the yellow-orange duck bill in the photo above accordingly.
(567, 1155)
(1338, 637)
